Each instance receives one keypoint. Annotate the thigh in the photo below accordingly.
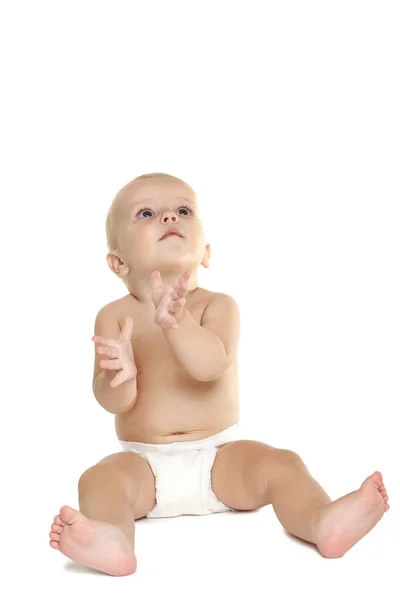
(241, 471)
(137, 476)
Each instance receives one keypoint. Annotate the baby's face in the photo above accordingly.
(146, 211)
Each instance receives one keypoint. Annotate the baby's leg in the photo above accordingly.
(249, 474)
(112, 494)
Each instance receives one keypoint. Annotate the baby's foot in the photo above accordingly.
(345, 521)
(99, 545)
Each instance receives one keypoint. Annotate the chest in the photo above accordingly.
(151, 350)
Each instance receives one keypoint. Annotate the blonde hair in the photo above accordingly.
(110, 220)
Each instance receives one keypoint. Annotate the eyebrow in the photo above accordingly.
(141, 201)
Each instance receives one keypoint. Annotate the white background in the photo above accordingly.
(284, 117)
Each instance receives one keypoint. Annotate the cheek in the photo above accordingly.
(199, 233)
(139, 237)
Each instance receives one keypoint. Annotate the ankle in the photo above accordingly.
(317, 516)
(129, 535)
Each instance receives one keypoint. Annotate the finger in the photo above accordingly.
(179, 303)
(107, 351)
(157, 288)
(113, 365)
(163, 318)
(180, 292)
(166, 323)
(186, 276)
(126, 331)
(105, 341)
(156, 281)
(118, 379)
(176, 305)
(184, 280)
(175, 294)
(183, 284)
(164, 303)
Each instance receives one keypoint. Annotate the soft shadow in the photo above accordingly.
(217, 515)
(74, 567)
(244, 512)
(301, 542)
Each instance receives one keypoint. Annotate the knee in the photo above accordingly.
(100, 475)
(93, 476)
(112, 472)
(288, 458)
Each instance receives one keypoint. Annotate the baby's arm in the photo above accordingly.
(119, 399)
(206, 350)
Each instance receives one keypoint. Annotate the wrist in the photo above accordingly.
(179, 318)
(109, 375)
(180, 315)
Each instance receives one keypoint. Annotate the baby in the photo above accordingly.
(166, 367)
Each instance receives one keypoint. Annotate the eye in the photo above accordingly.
(184, 208)
(144, 211)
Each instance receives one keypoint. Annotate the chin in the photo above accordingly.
(176, 265)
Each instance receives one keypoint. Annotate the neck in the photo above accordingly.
(140, 286)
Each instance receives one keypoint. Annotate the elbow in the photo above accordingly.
(112, 403)
(122, 409)
(212, 377)
(116, 410)
(216, 372)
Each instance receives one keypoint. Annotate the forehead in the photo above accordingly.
(153, 190)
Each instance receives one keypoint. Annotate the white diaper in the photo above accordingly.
(182, 471)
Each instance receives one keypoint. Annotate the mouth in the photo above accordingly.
(170, 233)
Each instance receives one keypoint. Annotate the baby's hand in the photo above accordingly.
(121, 353)
(169, 300)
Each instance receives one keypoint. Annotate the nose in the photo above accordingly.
(169, 216)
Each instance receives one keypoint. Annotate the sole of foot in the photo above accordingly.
(345, 521)
(101, 546)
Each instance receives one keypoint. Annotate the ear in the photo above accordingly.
(116, 264)
(206, 258)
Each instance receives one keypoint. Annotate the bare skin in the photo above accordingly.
(166, 366)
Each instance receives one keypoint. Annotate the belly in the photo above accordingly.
(180, 412)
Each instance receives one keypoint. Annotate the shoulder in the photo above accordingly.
(220, 299)
(112, 307)
(222, 317)
(220, 304)
(112, 314)
(208, 296)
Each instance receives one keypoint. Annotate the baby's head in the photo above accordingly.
(140, 214)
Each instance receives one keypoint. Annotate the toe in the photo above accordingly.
(54, 536)
(56, 528)
(54, 545)
(58, 520)
(70, 515)
(377, 478)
